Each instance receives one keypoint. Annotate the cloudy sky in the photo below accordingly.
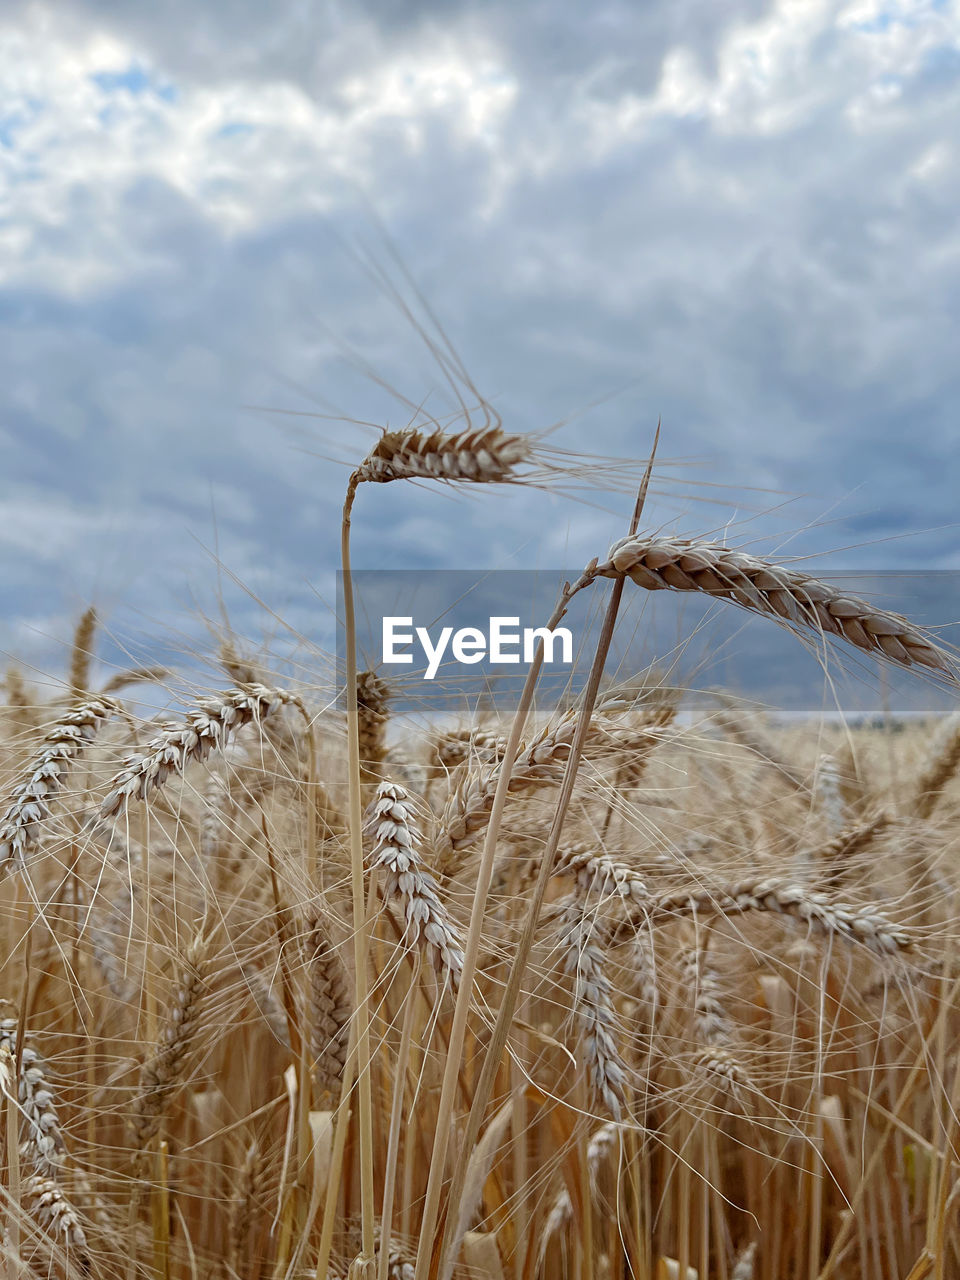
(739, 217)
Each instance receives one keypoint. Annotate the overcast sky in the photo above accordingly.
(739, 217)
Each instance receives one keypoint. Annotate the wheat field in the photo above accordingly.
(609, 991)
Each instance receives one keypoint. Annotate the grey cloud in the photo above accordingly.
(788, 301)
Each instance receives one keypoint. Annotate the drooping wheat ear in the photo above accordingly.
(373, 694)
(31, 799)
(795, 599)
(600, 1147)
(81, 653)
(207, 727)
(395, 837)
(826, 789)
(579, 940)
(807, 906)
(595, 873)
(468, 812)
(163, 1072)
(744, 1265)
(330, 1007)
(837, 854)
(49, 1207)
(483, 456)
(942, 764)
(43, 1145)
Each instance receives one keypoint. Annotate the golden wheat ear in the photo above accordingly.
(485, 456)
(790, 597)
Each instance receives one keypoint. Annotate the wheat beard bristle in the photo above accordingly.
(791, 597)
(481, 457)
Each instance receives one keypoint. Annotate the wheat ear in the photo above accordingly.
(48, 1206)
(579, 940)
(942, 764)
(163, 1072)
(209, 726)
(44, 1145)
(396, 841)
(372, 696)
(745, 1262)
(483, 456)
(470, 807)
(329, 1005)
(30, 800)
(787, 595)
(595, 873)
(81, 653)
(599, 1148)
(831, 919)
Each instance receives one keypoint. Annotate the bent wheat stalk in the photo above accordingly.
(487, 455)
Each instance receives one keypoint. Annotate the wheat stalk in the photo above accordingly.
(44, 1146)
(793, 598)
